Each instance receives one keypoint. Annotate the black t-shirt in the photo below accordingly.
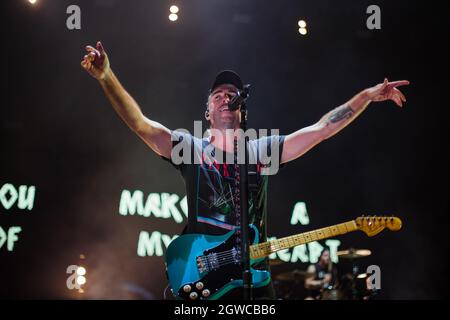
(320, 272)
(210, 179)
(209, 176)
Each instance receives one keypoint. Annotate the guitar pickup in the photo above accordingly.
(213, 262)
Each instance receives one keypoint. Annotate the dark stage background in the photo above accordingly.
(60, 135)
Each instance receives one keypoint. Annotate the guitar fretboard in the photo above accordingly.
(264, 249)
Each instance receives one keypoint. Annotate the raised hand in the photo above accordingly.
(388, 91)
(96, 62)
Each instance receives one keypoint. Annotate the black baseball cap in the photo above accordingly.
(227, 77)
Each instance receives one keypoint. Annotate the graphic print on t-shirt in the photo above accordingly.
(210, 181)
(215, 196)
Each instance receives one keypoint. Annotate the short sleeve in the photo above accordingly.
(268, 151)
(181, 149)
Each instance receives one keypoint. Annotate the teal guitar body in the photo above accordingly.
(205, 267)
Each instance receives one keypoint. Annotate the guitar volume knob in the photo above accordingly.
(199, 285)
(206, 293)
(193, 295)
(187, 288)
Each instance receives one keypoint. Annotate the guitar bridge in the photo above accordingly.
(202, 264)
(208, 262)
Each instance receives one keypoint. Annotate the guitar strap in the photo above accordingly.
(253, 186)
(194, 179)
(237, 197)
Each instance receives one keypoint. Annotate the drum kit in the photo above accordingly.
(290, 285)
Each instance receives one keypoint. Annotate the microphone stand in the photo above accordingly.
(244, 229)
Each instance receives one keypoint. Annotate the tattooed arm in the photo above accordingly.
(299, 142)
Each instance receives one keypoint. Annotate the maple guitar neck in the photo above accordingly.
(264, 249)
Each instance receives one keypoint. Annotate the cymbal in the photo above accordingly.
(353, 253)
(292, 275)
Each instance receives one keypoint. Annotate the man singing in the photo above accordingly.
(210, 179)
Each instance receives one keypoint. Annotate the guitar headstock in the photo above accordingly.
(373, 225)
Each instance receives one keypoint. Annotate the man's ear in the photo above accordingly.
(207, 115)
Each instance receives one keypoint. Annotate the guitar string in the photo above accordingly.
(226, 257)
(275, 246)
(229, 253)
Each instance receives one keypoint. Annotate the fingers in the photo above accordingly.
(397, 100)
(402, 96)
(86, 63)
(395, 95)
(100, 47)
(91, 56)
(94, 59)
(398, 83)
(93, 53)
(92, 50)
(99, 52)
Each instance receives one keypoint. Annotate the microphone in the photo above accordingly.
(239, 98)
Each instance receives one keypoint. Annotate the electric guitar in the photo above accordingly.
(205, 267)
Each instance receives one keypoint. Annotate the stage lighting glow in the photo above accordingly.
(32, 1)
(362, 276)
(302, 31)
(174, 9)
(302, 23)
(81, 280)
(81, 271)
(173, 17)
